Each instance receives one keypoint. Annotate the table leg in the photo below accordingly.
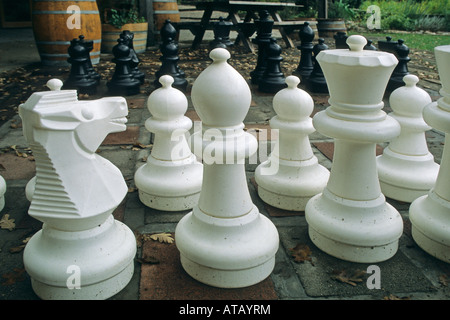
(201, 31)
(284, 35)
(241, 35)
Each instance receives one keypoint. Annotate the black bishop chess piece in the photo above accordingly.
(79, 78)
(123, 82)
(169, 58)
(317, 82)
(401, 70)
(89, 45)
(222, 31)
(273, 79)
(387, 45)
(128, 37)
(263, 35)
(370, 45)
(305, 67)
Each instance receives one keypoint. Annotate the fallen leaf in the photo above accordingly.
(394, 297)
(6, 223)
(162, 237)
(443, 280)
(12, 277)
(347, 277)
(20, 247)
(301, 253)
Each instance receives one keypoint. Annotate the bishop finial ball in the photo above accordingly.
(356, 42)
(166, 81)
(54, 84)
(292, 81)
(219, 55)
(410, 80)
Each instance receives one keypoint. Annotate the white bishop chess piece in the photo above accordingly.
(351, 219)
(292, 174)
(406, 168)
(171, 179)
(81, 252)
(430, 214)
(225, 241)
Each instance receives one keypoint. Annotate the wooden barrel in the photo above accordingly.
(110, 34)
(163, 10)
(329, 27)
(55, 24)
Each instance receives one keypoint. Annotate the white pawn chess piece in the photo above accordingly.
(2, 192)
(351, 219)
(53, 85)
(430, 214)
(81, 252)
(171, 179)
(292, 174)
(225, 241)
(406, 168)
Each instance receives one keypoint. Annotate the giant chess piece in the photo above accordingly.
(305, 66)
(370, 45)
(273, 79)
(292, 174)
(406, 168)
(123, 81)
(263, 35)
(2, 192)
(89, 45)
(81, 252)
(340, 40)
(401, 70)
(79, 78)
(430, 214)
(317, 82)
(225, 242)
(171, 179)
(351, 219)
(169, 34)
(128, 36)
(222, 31)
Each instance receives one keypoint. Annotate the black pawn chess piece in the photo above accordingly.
(221, 31)
(370, 46)
(317, 82)
(262, 40)
(128, 37)
(89, 45)
(273, 79)
(401, 70)
(123, 82)
(169, 66)
(305, 67)
(340, 39)
(79, 78)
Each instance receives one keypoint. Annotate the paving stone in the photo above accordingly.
(13, 167)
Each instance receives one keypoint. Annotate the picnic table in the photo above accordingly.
(251, 8)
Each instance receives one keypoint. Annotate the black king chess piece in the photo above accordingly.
(79, 77)
(263, 35)
(273, 79)
(305, 67)
(123, 82)
(128, 36)
(317, 82)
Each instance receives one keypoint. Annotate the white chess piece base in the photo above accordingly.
(103, 257)
(430, 221)
(398, 175)
(227, 253)
(170, 186)
(294, 184)
(357, 231)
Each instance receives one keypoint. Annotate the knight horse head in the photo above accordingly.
(64, 133)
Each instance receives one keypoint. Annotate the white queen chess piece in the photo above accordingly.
(225, 241)
(406, 168)
(351, 219)
(292, 174)
(171, 179)
(430, 214)
(81, 252)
